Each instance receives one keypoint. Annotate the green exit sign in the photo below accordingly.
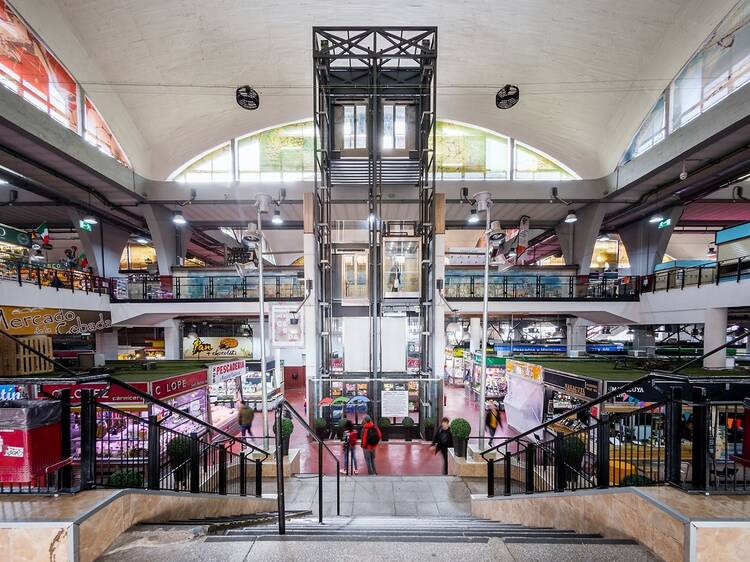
(83, 225)
(665, 223)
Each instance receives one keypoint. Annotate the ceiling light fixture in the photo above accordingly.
(142, 240)
(656, 218)
(277, 218)
(178, 218)
(90, 219)
(473, 216)
(604, 238)
(571, 217)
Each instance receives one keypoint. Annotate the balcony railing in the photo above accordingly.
(540, 287)
(59, 278)
(734, 269)
(222, 287)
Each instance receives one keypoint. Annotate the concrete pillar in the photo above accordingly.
(475, 334)
(644, 339)
(106, 343)
(170, 241)
(646, 243)
(714, 335)
(576, 330)
(577, 239)
(172, 339)
(103, 246)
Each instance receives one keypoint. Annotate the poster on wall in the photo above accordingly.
(30, 321)
(217, 347)
(394, 403)
(287, 327)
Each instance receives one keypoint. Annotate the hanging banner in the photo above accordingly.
(10, 235)
(287, 327)
(223, 372)
(525, 370)
(216, 347)
(394, 403)
(29, 321)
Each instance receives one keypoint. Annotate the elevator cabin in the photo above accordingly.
(374, 110)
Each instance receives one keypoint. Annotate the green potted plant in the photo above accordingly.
(408, 427)
(125, 479)
(178, 453)
(636, 480)
(384, 424)
(573, 450)
(287, 427)
(429, 429)
(460, 430)
(340, 428)
(321, 428)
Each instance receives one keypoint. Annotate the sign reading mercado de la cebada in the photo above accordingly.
(30, 321)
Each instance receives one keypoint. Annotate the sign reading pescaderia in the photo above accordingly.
(29, 321)
(217, 348)
(222, 372)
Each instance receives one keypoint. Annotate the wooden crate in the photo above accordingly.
(16, 360)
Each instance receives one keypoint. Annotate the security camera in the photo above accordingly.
(683, 175)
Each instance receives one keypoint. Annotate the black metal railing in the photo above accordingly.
(689, 443)
(60, 278)
(284, 405)
(288, 286)
(536, 287)
(734, 269)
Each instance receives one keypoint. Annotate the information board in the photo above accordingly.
(394, 403)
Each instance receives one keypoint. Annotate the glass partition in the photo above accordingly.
(401, 267)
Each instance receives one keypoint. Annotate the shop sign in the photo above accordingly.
(577, 386)
(524, 370)
(10, 392)
(104, 392)
(29, 321)
(287, 326)
(644, 392)
(179, 384)
(394, 403)
(217, 348)
(10, 235)
(223, 372)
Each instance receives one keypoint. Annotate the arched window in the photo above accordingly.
(285, 153)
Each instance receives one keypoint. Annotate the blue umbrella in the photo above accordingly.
(358, 399)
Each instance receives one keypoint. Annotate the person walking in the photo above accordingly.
(371, 436)
(245, 419)
(492, 420)
(443, 441)
(350, 443)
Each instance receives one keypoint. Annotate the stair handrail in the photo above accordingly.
(657, 375)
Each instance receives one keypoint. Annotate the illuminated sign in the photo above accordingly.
(665, 223)
(83, 225)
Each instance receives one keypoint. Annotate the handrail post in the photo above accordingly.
(258, 478)
(154, 454)
(195, 464)
(66, 474)
(560, 480)
(280, 473)
(88, 439)
(507, 476)
(700, 438)
(530, 461)
(243, 474)
(739, 269)
(490, 478)
(222, 470)
(602, 452)
(320, 481)
(338, 489)
(700, 275)
(673, 450)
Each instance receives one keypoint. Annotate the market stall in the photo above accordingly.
(564, 391)
(496, 383)
(454, 365)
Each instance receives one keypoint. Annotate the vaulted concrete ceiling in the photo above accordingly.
(163, 72)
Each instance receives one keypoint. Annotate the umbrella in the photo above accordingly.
(326, 401)
(340, 400)
(359, 399)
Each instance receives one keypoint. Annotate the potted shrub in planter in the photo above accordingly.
(460, 430)
(573, 451)
(287, 427)
(340, 429)
(321, 428)
(178, 453)
(408, 427)
(429, 429)
(125, 479)
(384, 424)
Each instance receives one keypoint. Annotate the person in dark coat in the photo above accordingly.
(443, 441)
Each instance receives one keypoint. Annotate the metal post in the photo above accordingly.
(243, 475)
(700, 439)
(602, 452)
(673, 449)
(507, 477)
(530, 463)
(490, 478)
(154, 454)
(320, 481)
(258, 478)
(222, 470)
(338, 489)
(560, 480)
(66, 474)
(195, 464)
(280, 474)
(88, 439)
(261, 302)
(483, 376)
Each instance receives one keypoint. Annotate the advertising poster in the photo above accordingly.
(287, 327)
(30, 321)
(217, 348)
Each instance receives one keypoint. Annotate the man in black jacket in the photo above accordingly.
(443, 441)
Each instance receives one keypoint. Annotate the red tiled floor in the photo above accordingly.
(394, 458)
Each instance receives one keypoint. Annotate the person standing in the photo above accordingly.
(350, 443)
(245, 418)
(492, 421)
(443, 441)
(371, 436)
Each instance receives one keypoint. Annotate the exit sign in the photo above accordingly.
(83, 225)
(665, 223)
